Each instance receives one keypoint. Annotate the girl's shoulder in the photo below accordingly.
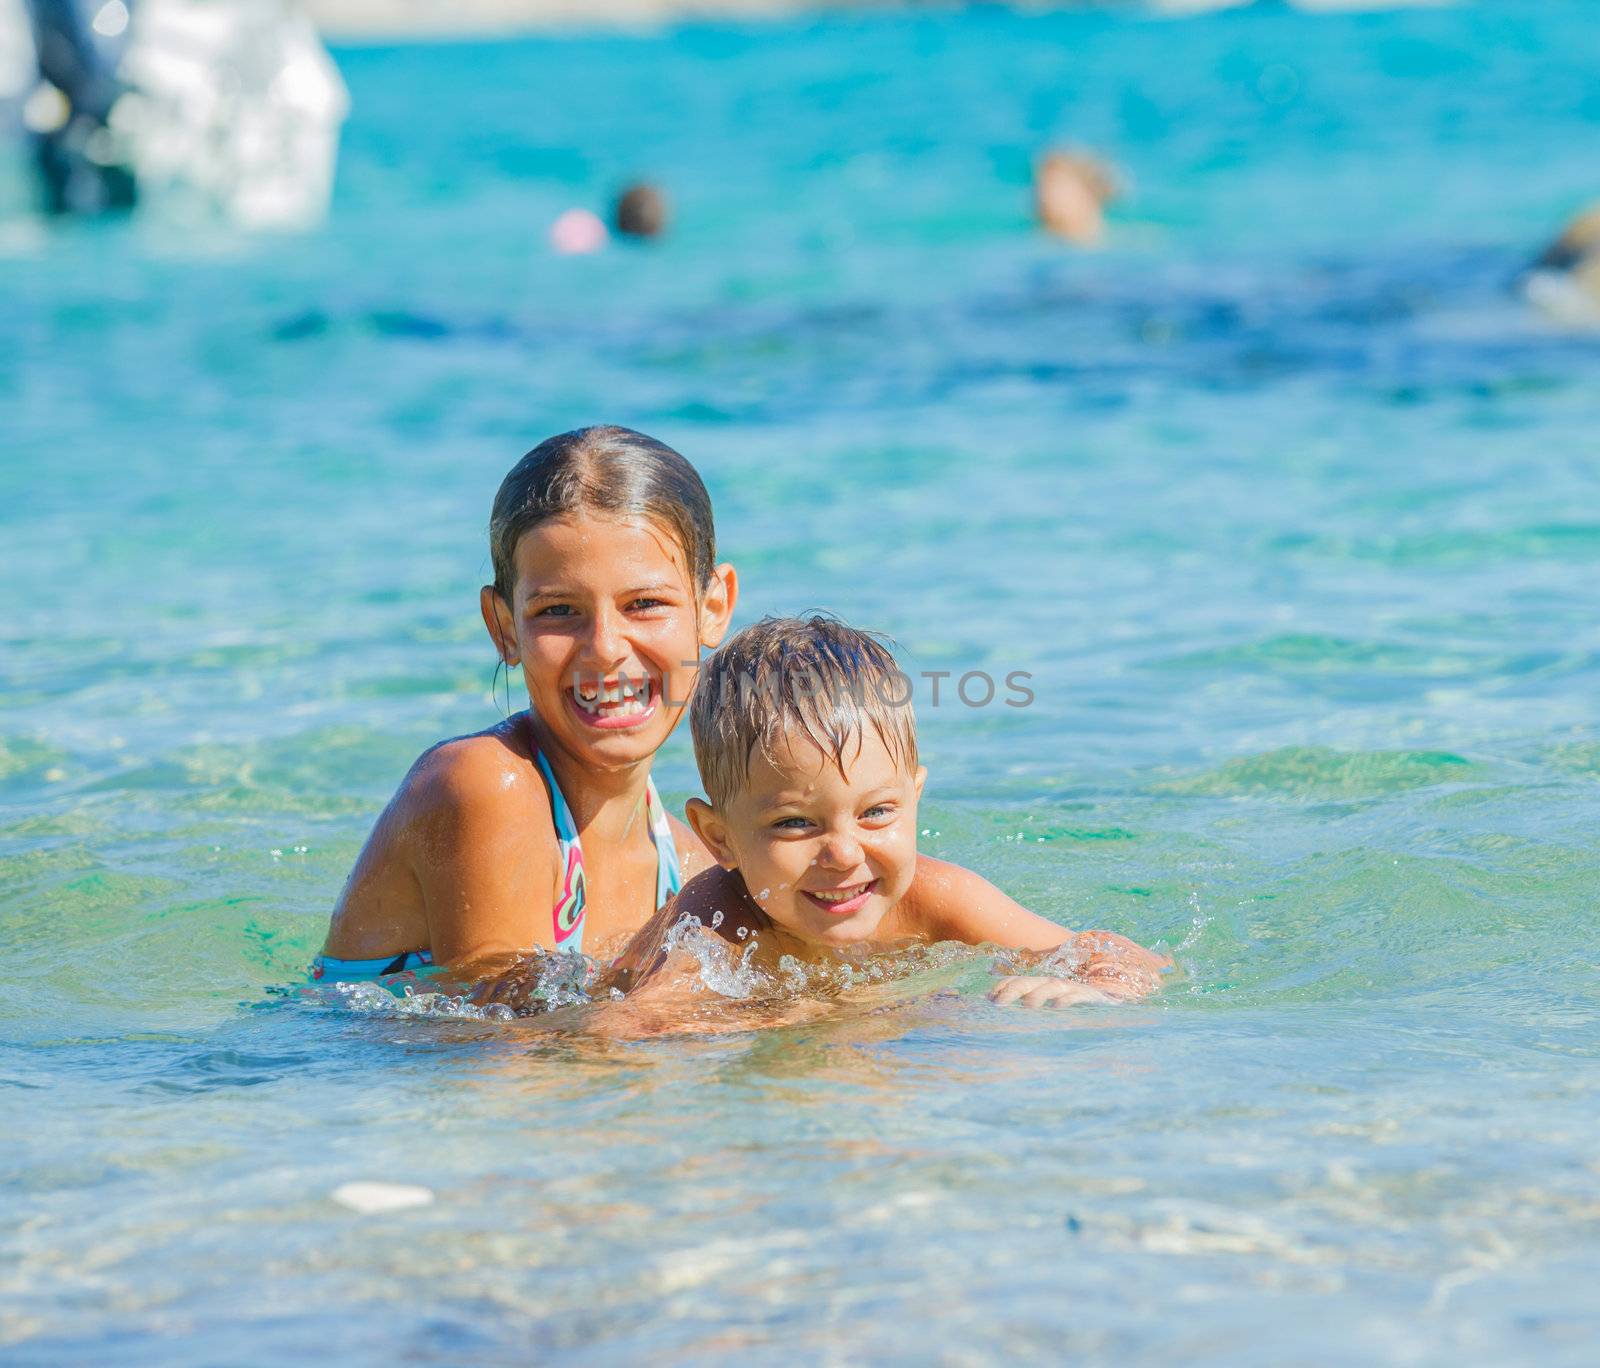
(481, 775)
(693, 857)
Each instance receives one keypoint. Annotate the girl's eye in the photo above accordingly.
(878, 811)
(642, 603)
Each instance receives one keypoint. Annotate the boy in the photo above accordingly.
(807, 748)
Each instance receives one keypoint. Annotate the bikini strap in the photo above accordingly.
(669, 875)
(567, 914)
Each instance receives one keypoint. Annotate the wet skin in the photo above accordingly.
(463, 862)
(814, 858)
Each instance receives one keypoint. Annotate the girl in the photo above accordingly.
(546, 830)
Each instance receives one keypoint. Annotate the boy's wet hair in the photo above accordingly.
(613, 471)
(808, 677)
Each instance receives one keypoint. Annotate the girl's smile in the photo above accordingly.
(615, 704)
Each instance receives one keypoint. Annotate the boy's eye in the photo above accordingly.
(555, 610)
(878, 811)
(640, 603)
(791, 824)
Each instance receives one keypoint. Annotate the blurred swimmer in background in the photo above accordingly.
(1070, 193)
(1564, 282)
(641, 211)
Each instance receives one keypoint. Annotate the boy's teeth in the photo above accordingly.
(840, 894)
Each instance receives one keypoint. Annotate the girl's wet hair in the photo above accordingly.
(613, 471)
(785, 678)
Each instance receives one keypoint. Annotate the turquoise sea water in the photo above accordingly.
(1285, 501)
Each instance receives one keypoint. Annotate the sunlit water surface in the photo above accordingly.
(1285, 502)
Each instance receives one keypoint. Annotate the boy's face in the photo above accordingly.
(825, 855)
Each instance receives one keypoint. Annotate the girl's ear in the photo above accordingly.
(712, 831)
(716, 605)
(497, 618)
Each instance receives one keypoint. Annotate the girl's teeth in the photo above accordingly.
(840, 895)
(626, 696)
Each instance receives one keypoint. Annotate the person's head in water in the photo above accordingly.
(1070, 192)
(807, 748)
(641, 211)
(606, 587)
(1565, 280)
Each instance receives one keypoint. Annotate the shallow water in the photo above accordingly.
(1284, 501)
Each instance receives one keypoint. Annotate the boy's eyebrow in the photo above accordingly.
(780, 801)
(784, 798)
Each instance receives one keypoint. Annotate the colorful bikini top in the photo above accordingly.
(568, 910)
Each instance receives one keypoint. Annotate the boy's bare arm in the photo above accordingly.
(949, 902)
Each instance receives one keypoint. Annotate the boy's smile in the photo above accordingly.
(842, 902)
(826, 855)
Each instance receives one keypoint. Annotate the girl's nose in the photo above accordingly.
(606, 645)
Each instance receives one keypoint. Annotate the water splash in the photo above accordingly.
(372, 999)
(726, 971)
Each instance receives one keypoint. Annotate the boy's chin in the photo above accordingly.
(852, 931)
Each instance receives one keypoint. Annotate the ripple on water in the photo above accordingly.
(211, 1070)
(1313, 653)
(1316, 772)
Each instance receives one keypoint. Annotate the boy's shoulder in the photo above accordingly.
(718, 899)
(940, 896)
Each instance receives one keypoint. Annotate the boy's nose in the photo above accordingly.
(840, 851)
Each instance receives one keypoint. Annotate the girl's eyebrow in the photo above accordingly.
(561, 590)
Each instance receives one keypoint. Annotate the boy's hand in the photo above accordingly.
(1037, 990)
(1116, 965)
(1113, 952)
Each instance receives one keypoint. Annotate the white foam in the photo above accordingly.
(377, 1199)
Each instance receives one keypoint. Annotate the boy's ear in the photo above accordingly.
(716, 606)
(497, 618)
(921, 779)
(712, 830)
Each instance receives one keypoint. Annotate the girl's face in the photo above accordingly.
(606, 626)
